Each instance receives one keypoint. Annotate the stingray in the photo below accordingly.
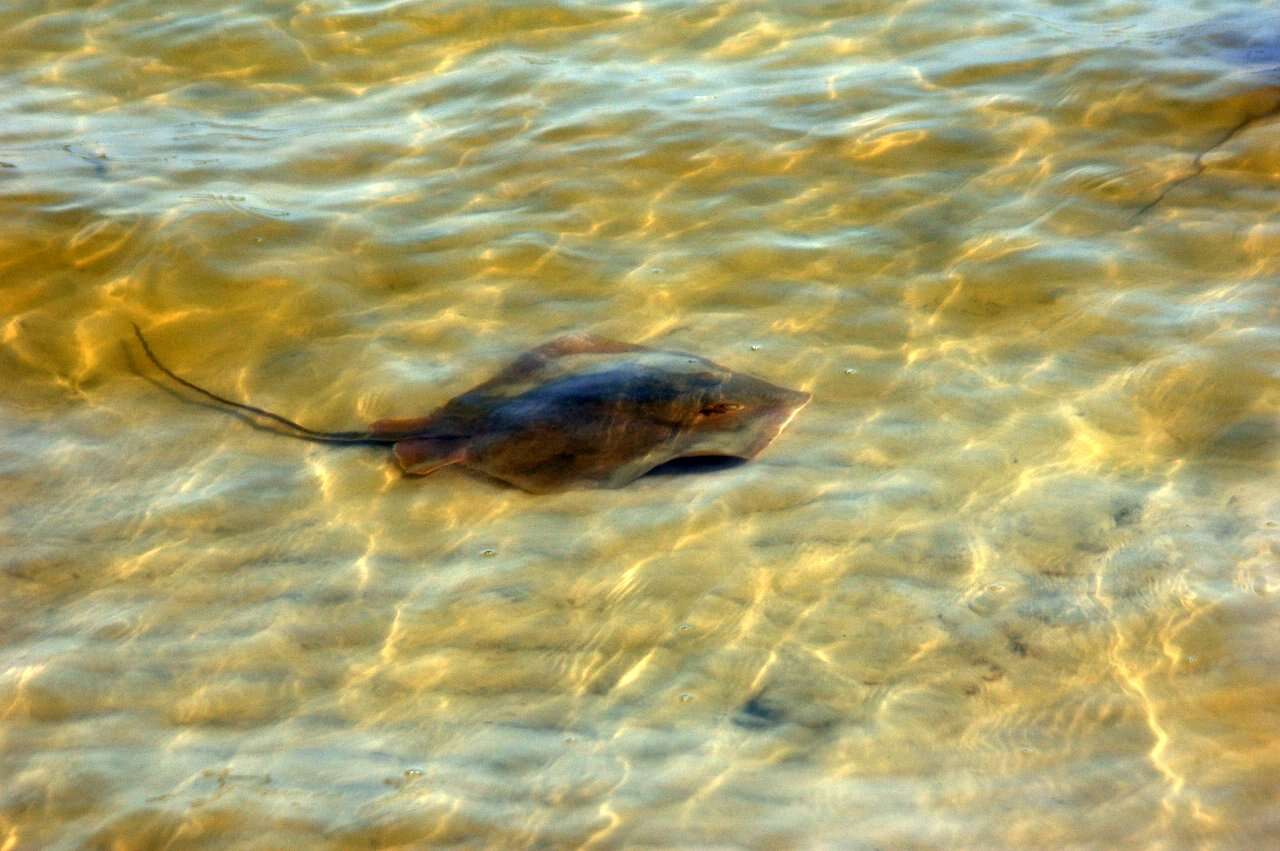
(579, 411)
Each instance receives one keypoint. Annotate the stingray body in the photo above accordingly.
(579, 411)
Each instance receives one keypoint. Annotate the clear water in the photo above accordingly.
(1009, 580)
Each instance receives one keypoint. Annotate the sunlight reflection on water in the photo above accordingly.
(1008, 580)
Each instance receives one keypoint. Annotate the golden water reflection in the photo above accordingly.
(1009, 580)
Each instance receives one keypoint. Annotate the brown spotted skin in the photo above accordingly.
(586, 411)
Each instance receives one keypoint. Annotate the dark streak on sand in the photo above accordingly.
(1197, 165)
(758, 714)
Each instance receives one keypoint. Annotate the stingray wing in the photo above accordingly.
(532, 366)
(584, 344)
(431, 442)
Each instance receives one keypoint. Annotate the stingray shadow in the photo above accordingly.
(696, 465)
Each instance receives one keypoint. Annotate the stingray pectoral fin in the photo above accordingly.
(421, 456)
(408, 425)
(580, 344)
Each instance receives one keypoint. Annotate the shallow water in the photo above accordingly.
(1011, 579)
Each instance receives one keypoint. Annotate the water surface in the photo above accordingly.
(1009, 580)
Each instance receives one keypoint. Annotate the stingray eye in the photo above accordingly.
(718, 408)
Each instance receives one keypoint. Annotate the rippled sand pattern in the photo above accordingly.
(1012, 579)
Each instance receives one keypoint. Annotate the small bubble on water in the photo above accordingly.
(488, 552)
(412, 772)
(685, 627)
(850, 371)
(685, 698)
(755, 347)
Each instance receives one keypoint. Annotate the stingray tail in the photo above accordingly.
(290, 428)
